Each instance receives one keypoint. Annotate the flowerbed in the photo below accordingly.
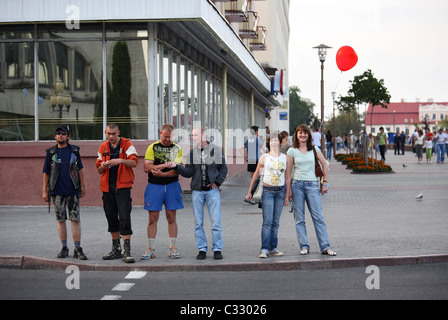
(358, 165)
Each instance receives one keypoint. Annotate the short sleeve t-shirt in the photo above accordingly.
(274, 170)
(64, 185)
(159, 154)
(304, 168)
(254, 147)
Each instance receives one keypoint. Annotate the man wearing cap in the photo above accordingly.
(64, 182)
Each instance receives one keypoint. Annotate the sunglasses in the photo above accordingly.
(61, 132)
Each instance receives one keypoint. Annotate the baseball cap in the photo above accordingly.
(63, 127)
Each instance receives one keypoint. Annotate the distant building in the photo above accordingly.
(406, 116)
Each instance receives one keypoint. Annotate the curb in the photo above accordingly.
(30, 262)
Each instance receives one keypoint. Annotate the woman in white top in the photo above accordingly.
(276, 181)
(305, 188)
(419, 145)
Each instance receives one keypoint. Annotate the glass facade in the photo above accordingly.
(67, 69)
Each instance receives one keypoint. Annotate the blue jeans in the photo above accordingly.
(329, 148)
(272, 204)
(213, 201)
(441, 149)
(308, 191)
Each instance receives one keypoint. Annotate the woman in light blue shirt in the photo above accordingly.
(305, 188)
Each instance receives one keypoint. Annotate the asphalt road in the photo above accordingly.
(426, 281)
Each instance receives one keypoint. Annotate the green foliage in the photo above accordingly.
(300, 111)
(119, 99)
(364, 88)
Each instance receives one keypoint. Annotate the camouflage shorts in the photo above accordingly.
(61, 203)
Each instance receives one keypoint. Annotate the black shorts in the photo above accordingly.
(117, 204)
(252, 167)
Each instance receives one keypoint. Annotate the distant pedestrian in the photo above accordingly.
(329, 144)
(419, 145)
(305, 189)
(285, 145)
(64, 182)
(116, 158)
(397, 143)
(382, 143)
(441, 139)
(402, 141)
(428, 148)
(317, 137)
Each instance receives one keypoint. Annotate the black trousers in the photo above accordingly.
(117, 204)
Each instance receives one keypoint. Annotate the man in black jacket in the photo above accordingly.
(208, 170)
(63, 180)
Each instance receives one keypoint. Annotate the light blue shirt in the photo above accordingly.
(303, 164)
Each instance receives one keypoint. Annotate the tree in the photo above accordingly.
(119, 99)
(365, 89)
(300, 111)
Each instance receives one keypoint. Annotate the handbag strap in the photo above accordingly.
(315, 156)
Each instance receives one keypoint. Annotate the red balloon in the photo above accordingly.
(346, 58)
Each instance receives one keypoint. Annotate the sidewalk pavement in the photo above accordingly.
(372, 219)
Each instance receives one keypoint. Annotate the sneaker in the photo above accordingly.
(149, 254)
(275, 252)
(173, 253)
(217, 255)
(202, 255)
(77, 253)
(63, 253)
(263, 254)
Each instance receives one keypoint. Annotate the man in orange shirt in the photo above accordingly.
(116, 158)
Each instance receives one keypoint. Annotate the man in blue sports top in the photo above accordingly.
(64, 181)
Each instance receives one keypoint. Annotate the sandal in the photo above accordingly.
(330, 252)
(304, 252)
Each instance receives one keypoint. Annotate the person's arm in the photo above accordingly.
(81, 183)
(45, 190)
(156, 169)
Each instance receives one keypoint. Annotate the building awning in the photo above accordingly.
(196, 19)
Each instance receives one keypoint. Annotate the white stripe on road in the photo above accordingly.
(125, 286)
(111, 297)
(136, 275)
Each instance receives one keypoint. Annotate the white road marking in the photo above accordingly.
(111, 297)
(124, 286)
(136, 275)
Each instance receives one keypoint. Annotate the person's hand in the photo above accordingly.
(249, 196)
(324, 189)
(170, 164)
(113, 162)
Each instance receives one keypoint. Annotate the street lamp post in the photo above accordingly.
(333, 95)
(322, 53)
